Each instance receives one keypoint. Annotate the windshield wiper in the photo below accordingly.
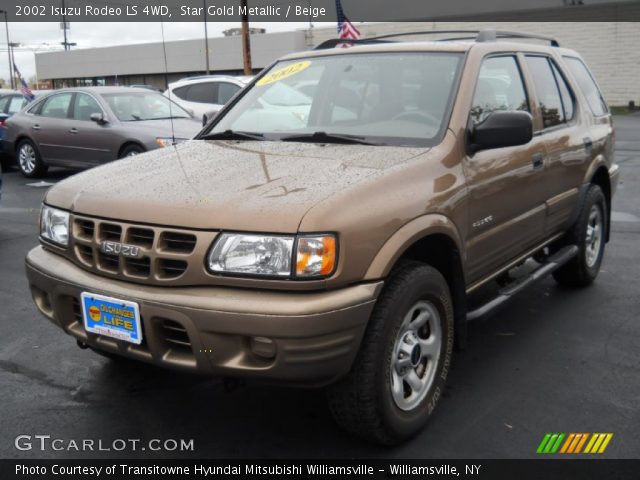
(324, 137)
(233, 135)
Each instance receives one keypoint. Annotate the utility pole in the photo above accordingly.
(246, 41)
(66, 44)
(6, 25)
(206, 35)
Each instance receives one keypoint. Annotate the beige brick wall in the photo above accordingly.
(611, 49)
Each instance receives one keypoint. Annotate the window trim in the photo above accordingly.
(559, 126)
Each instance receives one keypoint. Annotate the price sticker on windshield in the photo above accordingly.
(284, 72)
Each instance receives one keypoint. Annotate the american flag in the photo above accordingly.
(24, 88)
(346, 29)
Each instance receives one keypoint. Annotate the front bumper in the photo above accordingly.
(212, 330)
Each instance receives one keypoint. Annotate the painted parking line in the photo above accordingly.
(624, 217)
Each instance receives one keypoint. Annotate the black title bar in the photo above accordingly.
(561, 469)
(318, 10)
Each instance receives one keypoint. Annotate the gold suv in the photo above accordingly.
(329, 225)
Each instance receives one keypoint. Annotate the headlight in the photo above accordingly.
(274, 255)
(252, 254)
(54, 225)
(169, 141)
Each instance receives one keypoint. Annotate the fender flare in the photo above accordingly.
(407, 235)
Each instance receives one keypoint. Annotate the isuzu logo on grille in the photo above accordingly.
(120, 249)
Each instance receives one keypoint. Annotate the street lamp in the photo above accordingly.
(6, 25)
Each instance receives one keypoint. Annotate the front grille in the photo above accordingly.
(140, 236)
(164, 255)
(177, 242)
(168, 268)
(111, 232)
(138, 267)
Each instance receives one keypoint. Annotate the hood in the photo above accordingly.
(229, 185)
(182, 127)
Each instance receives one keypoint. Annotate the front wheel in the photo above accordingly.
(29, 160)
(131, 151)
(589, 234)
(400, 372)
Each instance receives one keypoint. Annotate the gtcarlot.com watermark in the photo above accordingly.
(47, 443)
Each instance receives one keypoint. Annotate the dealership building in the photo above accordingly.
(610, 49)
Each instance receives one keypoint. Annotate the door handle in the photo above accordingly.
(35, 127)
(588, 143)
(73, 130)
(537, 160)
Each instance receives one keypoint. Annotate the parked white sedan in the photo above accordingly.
(205, 95)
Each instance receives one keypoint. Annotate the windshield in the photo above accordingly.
(141, 105)
(388, 98)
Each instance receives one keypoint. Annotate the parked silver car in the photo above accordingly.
(84, 127)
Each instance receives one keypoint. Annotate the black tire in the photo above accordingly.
(6, 162)
(583, 269)
(29, 160)
(362, 403)
(131, 150)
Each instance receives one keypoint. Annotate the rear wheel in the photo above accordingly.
(589, 234)
(29, 160)
(401, 369)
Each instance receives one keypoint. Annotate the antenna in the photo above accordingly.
(166, 80)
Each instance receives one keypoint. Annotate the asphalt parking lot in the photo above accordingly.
(554, 360)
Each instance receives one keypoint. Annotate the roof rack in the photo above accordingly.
(479, 36)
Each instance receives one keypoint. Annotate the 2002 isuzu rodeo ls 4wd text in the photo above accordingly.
(328, 226)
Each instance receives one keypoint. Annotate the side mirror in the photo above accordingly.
(98, 118)
(501, 129)
(208, 116)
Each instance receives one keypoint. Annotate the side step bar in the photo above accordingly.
(554, 262)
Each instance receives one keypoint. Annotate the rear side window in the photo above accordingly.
(202, 93)
(16, 104)
(57, 106)
(181, 92)
(3, 103)
(547, 91)
(499, 87)
(587, 85)
(226, 90)
(568, 101)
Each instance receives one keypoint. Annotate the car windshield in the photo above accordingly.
(385, 98)
(136, 106)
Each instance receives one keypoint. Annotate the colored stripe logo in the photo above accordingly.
(574, 443)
